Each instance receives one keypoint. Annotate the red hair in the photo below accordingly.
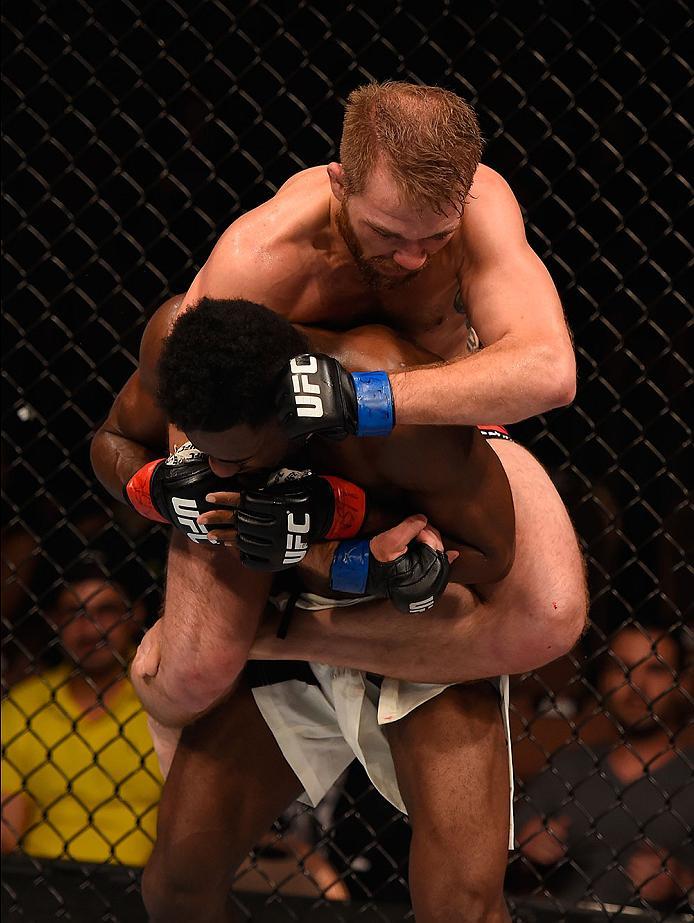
(428, 138)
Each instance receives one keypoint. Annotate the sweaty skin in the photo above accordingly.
(289, 255)
(447, 473)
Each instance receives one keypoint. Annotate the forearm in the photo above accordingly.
(505, 382)
(211, 614)
(115, 459)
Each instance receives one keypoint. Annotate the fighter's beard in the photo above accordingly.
(368, 268)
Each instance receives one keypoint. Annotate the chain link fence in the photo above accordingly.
(134, 134)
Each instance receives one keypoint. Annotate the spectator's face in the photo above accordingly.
(639, 681)
(96, 625)
(391, 240)
(243, 450)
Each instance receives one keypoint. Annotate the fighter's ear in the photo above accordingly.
(336, 174)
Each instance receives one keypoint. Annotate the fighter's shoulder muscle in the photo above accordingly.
(156, 330)
(259, 250)
(491, 206)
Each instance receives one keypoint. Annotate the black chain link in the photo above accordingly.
(135, 133)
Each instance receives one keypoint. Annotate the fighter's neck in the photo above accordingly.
(339, 253)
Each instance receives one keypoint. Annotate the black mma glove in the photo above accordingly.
(173, 490)
(413, 582)
(317, 395)
(276, 525)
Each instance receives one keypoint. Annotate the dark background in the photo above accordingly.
(136, 132)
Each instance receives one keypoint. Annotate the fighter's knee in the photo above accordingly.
(482, 911)
(482, 906)
(177, 898)
(200, 682)
(155, 894)
(461, 901)
(213, 676)
(449, 889)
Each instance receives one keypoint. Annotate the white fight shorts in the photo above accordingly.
(323, 717)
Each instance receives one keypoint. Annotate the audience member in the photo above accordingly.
(80, 777)
(615, 822)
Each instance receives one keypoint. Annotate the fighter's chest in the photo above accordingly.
(427, 311)
(434, 319)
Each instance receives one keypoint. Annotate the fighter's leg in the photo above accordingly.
(452, 767)
(532, 616)
(212, 607)
(540, 607)
(227, 784)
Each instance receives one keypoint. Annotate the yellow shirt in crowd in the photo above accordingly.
(94, 782)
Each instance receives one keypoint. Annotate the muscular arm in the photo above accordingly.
(527, 366)
(449, 474)
(468, 498)
(136, 430)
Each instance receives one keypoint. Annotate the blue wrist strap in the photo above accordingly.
(350, 568)
(375, 412)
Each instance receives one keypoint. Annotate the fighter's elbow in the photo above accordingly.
(556, 374)
(565, 388)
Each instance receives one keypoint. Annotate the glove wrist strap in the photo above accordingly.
(375, 411)
(138, 492)
(350, 508)
(349, 570)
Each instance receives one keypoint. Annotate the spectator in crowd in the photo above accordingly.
(80, 777)
(615, 823)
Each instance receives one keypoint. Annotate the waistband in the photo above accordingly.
(494, 431)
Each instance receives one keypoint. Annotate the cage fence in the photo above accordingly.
(134, 134)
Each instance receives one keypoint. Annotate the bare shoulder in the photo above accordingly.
(156, 330)
(258, 249)
(491, 206)
(490, 188)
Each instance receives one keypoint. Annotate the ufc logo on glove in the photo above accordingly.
(296, 548)
(187, 512)
(306, 395)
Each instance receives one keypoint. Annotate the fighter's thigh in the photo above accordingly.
(451, 761)
(212, 604)
(548, 573)
(228, 782)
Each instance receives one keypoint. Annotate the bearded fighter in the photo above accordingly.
(409, 230)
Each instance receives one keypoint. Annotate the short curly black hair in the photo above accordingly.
(220, 364)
